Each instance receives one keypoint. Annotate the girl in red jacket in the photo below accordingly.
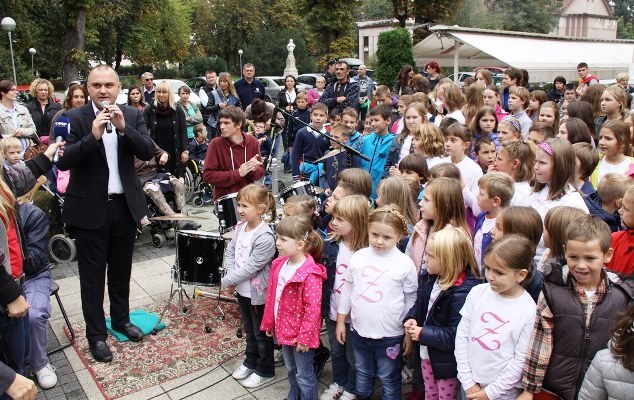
(292, 311)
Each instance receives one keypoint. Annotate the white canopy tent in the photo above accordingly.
(544, 56)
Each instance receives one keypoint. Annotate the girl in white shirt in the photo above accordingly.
(380, 287)
(452, 271)
(517, 158)
(615, 149)
(497, 323)
(248, 261)
(429, 141)
(349, 234)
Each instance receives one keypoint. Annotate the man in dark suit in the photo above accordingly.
(103, 203)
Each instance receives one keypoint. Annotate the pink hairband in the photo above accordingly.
(546, 147)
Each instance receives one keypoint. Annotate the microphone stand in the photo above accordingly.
(345, 146)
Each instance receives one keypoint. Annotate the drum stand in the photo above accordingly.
(180, 291)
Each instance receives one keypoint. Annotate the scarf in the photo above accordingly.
(162, 111)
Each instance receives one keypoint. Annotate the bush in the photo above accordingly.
(196, 66)
(134, 69)
(395, 50)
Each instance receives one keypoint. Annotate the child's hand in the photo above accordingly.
(327, 192)
(409, 323)
(340, 333)
(302, 348)
(481, 395)
(394, 171)
(473, 389)
(525, 396)
(414, 332)
(492, 168)
(407, 345)
(270, 332)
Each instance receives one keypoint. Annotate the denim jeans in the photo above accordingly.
(37, 291)
(16, 339)
(259, 348)
(301, 373)
(378, 358)
(344, 372)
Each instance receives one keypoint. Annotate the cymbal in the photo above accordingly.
(228, 235)
(329, 154)
(179, 217)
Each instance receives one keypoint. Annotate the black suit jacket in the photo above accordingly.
(87, 193)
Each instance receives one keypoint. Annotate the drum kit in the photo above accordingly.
(200, 254)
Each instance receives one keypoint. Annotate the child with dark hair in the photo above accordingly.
(377, 144)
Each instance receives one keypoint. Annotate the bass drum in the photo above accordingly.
(200, 257)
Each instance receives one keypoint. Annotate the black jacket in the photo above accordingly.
(42, 120)
(439, 328)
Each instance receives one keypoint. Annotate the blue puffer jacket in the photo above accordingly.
(376, 148)
(439, 328)
(594, 206)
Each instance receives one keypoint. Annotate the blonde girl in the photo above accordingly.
(292, 312)
(451, 273)
(413, 116)
(403, 102)
(613, 105)
(394, 190)
(442, 204)
(302, 205)
(349, 234)
(549, 113)
(248, 260)
(474, 102)
(492, 367)
(509, 129)
(429, 141)
(517, 158)
(453, 102)
(380, 287)
(615, 149)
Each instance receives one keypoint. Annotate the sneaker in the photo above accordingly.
(254, 381)
(46, 377)
(278, 358)
(242, 372)
(333, 392)
(347, 396)
(406, 375)
(319, 361)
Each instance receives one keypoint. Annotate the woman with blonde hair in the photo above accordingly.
(225, 95)
(42, 108)
(168, 127)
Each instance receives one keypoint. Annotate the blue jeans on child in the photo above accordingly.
(37, 291)
(301, 373)
(344, 372)
(380, 358)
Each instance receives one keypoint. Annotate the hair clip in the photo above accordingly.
(546, 147)
(306, 235)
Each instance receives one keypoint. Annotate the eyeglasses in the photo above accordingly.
(148, 79)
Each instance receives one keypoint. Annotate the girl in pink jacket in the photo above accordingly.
(292, 311)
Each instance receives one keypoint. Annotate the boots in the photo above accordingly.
(179, 193)
(154, 193)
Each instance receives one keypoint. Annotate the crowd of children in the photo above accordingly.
(480, 246)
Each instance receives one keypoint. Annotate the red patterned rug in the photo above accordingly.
(179, 349)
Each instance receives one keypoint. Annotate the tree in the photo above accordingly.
(374, 9)
(475, 14)
(624, 10)
(74, 54)
(331, 26)
(395, 50)
(526, 15)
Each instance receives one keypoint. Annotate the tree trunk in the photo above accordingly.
(74, 46)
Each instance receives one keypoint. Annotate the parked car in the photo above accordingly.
(175, 84)
(273, 85)
(196, 83)
(309, 79)
(24, 95)
(462, 76)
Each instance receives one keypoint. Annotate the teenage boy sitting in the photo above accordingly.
(198, 145)
(496, 189)
(607, 200)
(622, 242)
(377, 144)
(575, 314)
(518, 100)
(310, 145)
(339, 162)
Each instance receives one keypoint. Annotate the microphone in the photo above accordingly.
(61, 130)
(105, 105)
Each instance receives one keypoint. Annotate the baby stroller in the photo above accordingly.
(61, 246)
(196, 189)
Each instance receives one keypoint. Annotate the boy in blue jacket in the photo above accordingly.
(377, 144)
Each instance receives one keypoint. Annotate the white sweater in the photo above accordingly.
(379, 290)
(492, 341)
(470, 172)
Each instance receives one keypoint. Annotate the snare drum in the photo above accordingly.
(200, 256)
(226, 209)
(299, 188)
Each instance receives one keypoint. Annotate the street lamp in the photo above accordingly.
(8, 24)
(240, 52)
(32, 52)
